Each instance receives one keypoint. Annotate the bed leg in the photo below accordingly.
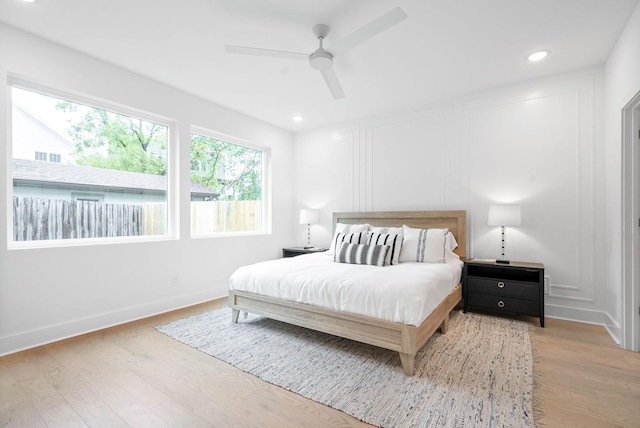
(234, 315)
(408, 361)
(444, 327)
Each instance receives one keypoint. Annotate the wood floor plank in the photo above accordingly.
(20, 416)
(586, 379)
(11, 395)
(108, 420)
(132, 375)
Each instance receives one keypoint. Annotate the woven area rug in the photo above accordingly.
(478, 374)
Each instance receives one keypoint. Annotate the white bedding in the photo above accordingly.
(405, 293)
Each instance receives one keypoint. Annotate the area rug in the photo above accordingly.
(479, 374)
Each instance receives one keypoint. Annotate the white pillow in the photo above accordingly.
(394, 241)
(385, 229)
(423, 245)
(346, 228)
(450, 245)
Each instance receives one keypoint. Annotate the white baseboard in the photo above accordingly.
(575, 314)
(614, 329)
(585, 316)
(53, 333)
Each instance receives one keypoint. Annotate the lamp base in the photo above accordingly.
(502, 262)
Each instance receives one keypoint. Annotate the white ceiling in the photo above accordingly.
(444, 49)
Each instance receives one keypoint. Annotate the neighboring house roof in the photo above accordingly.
(65, 175)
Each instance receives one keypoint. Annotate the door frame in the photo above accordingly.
(631, 225)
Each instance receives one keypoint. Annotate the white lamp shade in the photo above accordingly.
(504, 215)
(308, 216)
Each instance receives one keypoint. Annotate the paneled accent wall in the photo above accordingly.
(408, 154)
(535, 148)
(536, 145)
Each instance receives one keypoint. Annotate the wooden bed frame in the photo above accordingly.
(403, 338)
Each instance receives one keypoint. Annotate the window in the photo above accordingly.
(113, 182)
(226, 186)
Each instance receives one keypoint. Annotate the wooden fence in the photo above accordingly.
(226, 216)
(44, 219)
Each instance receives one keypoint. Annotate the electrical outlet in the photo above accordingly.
(175, 281)
(547, 281)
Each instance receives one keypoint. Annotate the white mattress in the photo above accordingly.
(405, 293)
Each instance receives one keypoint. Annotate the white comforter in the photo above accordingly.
(405, 293)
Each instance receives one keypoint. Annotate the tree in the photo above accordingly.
(233, 171)
(113, 141)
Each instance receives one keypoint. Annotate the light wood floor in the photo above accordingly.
(132, 375)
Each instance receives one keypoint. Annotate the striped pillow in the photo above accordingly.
(346, 228)
(362, 254)
(393, 240)
(351, 238)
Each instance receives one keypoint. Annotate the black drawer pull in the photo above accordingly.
(500, 284)
(500, 304)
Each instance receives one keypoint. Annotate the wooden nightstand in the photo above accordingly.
(516, 288)
(296, 251)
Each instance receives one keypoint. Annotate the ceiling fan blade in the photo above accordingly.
(265, 52)
(370, 30)
(332, 82)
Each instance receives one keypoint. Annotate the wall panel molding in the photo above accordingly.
(576, 281)
(459, 156)
(430, 130)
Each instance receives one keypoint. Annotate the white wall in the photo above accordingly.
(50, 293)
(538, 144)
(622, 83)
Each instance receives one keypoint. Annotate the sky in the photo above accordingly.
(43, 108)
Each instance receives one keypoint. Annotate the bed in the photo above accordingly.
(400, 336)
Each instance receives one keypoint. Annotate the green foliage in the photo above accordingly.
(233, 171)
(113, 141)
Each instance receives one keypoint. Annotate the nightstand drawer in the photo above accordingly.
(506, 304)
(500, 287)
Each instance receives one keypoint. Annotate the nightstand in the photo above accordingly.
(296, 251)
(516, 288)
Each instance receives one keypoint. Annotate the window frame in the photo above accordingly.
(173, 231)
(266, 184)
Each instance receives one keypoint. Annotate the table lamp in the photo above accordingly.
(504, 215)
(308, 217)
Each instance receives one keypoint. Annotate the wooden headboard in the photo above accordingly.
(456, 221)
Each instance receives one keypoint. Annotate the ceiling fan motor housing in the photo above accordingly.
(320, 59)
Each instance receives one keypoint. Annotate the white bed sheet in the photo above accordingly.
(405, 293)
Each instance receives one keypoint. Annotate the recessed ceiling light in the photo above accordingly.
(28, 1)
(537, 56)
(296, 118)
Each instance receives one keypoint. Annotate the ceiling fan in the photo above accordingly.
(322, 59)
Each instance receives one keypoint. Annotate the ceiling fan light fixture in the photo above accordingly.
(537, 56)
(321, 60)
